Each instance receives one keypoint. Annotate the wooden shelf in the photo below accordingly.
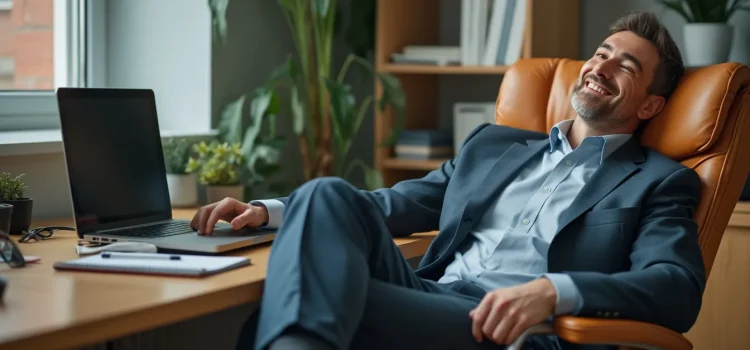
(551, 29)
(428, 69)
(410, 164)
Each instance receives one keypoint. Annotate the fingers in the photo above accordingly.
(199, 220)
(496, 315)
(519, 327)
(499, 333)
(227, 209)
(207, 217)
(479, 315)
(249, 218)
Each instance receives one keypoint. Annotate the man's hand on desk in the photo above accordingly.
(505, 313)
(239, 214)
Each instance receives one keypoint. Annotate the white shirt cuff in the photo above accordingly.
(569, 299)
(275, 211)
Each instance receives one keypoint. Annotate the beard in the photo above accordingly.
(595, 109)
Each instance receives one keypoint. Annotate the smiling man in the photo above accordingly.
(581, 220)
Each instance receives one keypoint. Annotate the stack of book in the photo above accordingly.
(492, 34)
(425, 144)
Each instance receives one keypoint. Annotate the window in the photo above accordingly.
(45, 44)
(42, 43)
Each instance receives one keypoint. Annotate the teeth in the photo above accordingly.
(595, 88)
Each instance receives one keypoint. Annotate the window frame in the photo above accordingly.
(74, 65)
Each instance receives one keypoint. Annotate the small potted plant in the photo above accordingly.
(183, 185)
(219, 166)
(11, 192)
(708, 35)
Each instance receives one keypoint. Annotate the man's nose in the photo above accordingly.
(603, 69)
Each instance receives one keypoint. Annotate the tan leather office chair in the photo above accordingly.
(704, 125)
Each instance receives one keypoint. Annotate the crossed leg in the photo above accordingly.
(335, 273)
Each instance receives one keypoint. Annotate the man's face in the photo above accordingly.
(611, 92)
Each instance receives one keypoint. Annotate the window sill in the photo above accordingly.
(34, 142)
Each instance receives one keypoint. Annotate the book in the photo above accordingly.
(154, 264)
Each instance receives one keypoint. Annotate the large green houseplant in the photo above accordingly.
(325, 112)
(708, 36)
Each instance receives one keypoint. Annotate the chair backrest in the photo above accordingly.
(704, 125)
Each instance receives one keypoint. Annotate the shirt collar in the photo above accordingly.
(606, 144)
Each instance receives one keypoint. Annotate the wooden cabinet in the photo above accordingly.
(724, 321)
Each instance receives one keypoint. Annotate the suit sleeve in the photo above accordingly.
(409, 206)
(667, 277)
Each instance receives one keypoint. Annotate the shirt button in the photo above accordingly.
(525, 221)
(547, 189)
(568, 162)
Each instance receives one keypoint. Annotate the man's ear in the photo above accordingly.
(651, 107)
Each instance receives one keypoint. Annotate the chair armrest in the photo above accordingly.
(582, 330)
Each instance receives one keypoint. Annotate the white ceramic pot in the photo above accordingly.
(183, 190)
(707, 43)
(217, 193)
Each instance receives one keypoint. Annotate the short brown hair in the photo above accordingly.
(647, 26)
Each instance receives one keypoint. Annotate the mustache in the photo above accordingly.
(595, 78)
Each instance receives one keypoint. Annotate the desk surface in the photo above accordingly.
(45, 309)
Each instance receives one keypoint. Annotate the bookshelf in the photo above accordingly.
(551, 30)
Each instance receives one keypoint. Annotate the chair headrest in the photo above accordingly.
(535, 95)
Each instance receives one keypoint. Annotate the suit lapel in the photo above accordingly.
(615, 169)
(505, 168)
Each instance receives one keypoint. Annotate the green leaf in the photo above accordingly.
(676, 5)
(298, 113)
(373, 179)
(218, 10)
(277, 142)
(288, 69)
(321, 7)
(342, 109)
(393, 95)
(230, 124)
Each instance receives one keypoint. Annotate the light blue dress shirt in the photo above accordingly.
(508, 246)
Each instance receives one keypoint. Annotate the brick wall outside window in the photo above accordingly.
(26, 45)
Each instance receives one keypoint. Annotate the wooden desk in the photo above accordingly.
(48, 309)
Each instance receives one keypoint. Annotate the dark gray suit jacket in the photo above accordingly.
(628, 241)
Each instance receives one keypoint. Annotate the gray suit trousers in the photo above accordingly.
(335, 271)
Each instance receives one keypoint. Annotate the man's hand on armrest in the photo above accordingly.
(505, 313)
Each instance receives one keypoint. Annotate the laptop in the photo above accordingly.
(117, 176)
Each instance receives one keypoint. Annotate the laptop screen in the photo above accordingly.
(114, 157)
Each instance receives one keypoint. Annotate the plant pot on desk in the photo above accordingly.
(20, 220)
(183, 190)
(215, 193)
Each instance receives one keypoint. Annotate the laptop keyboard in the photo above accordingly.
(158, 230)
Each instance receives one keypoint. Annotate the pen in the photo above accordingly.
(127, 256)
